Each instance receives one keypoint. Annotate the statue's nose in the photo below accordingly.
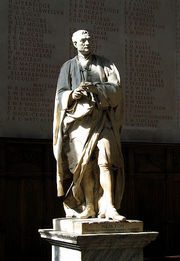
(86, 42)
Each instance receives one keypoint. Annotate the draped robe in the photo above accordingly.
(78, 128)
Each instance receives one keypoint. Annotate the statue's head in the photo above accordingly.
(82, 41)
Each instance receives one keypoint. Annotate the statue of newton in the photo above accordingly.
(86, 134)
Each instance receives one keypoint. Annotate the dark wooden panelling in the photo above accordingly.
(152, 193)
(128, 202)
(2, 218)
(20, 158)
(150, 206)
(176, 160)
(2, 243)
(28, 196)
(50, 211)
(173, 214)
(11, 213)
(25, 168)
(31, 216)
(151, 160)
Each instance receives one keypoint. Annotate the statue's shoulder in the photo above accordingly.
(69, 62)
(102, 60)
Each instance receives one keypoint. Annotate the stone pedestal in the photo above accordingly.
(116, 246)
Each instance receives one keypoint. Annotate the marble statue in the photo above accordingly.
(86, 134)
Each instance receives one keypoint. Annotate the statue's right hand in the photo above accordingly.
(77, 93)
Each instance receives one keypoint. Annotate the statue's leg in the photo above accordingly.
(108, 210)
(106, 206)
(88, 187)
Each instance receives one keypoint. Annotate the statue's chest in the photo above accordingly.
(93, 74)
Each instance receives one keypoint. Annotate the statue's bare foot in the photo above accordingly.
(70, 213)
(102, 207)
(112, 213)
(101, 215)
(88, 212)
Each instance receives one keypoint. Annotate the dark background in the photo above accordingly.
(28, 196)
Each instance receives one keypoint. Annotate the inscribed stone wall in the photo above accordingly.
(32, 53)
(177, 70)
(150, 90)
(141, 37)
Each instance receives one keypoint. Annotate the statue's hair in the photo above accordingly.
(79, 33)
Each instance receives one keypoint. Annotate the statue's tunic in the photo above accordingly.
(90, 128)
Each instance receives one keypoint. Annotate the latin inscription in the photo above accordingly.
(142, 37)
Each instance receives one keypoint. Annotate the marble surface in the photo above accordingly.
(98, 241)
(96, 225)
(127, 246)
(92, 247)
(64, 254)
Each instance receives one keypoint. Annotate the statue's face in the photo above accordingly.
(83, 44)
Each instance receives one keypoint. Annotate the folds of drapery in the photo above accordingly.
(110, 103)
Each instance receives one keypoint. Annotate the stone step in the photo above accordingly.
(96, 226)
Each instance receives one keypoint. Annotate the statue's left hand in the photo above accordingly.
(89, 87)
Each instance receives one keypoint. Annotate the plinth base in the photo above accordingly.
(96, 225)
(126, 246)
